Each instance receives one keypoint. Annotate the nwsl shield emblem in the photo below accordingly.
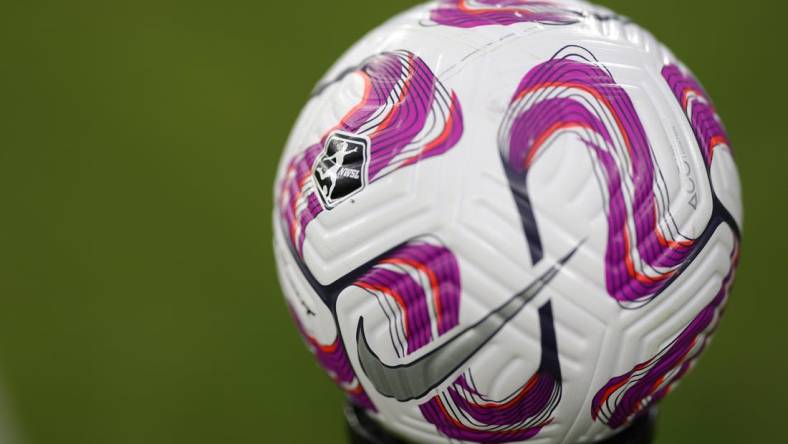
(341, 170)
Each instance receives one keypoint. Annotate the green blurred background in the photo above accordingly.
(138, 143)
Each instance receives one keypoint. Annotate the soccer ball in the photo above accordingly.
(507, 220)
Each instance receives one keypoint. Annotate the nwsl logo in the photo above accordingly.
(405, 116)
(341, 169)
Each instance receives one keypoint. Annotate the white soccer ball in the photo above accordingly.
(507, 221)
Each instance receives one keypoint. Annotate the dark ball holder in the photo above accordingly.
(363, 430)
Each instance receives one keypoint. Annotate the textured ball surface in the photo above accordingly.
(507, 221)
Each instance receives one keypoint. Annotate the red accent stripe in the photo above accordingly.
(434, 285)
(402, 96)
(389, 292)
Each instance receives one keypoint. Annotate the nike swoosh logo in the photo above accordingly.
(414, 380)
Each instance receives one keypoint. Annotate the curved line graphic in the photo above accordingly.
(406, 382)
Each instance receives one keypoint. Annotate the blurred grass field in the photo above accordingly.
(138, 143)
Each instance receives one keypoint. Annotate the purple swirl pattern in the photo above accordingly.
(573, 95)
(475, 13)
(700, 111)
(405, 112)
(462, 412)
(625, 397)
(418, 288)
(333, 358)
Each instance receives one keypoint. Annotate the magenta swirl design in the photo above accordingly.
(463, 412)
(333, 358)
(405, 112)
(298, 203)
(573, 95)
(625, 397)
(418, 288)
(700, 111)
(475, 13)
